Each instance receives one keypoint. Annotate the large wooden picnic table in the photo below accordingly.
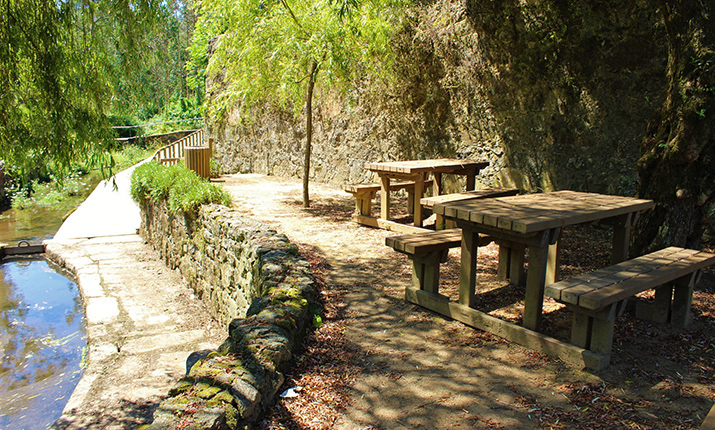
(417, 171)
(534, 221)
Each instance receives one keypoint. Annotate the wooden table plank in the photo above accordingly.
(441, 165)
(429, 202)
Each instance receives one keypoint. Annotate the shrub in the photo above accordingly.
(182, 188)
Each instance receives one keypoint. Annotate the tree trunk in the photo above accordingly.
(677, 165)
(309, 131)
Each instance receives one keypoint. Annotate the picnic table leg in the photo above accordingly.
(468, 270)
(535, 281)
(552, 267)
(419, 192)
(621, 238)
(504, 261)
(511, 262)
(436, 184)
(516, 263)
(471, 179)
(385, 197)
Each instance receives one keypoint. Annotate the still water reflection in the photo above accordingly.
(32, 225)
(42, 335)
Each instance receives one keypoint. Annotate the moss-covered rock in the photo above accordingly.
(256, 282)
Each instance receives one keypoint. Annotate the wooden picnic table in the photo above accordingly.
(534, 221)
(417, 171)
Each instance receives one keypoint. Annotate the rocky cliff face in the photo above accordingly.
(554, 94)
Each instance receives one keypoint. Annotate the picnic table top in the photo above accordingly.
(440, 165)
(538, 212)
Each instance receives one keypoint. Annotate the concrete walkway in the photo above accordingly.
(142, 320)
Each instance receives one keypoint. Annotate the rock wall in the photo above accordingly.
(555, 95)
(252, 279)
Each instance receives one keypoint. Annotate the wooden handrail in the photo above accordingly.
(173, 153)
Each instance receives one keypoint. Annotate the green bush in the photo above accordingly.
(182, 188)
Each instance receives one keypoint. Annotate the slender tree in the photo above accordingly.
(280, 51)
(677, 167)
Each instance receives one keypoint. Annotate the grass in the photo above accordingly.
(182, 188)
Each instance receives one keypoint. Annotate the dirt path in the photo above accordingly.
(422, 371)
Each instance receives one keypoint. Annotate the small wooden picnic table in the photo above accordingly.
(534, 221)
(417, 171)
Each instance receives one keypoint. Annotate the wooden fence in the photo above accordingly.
(189, 150)
(173, 153)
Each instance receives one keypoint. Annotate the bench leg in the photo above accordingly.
(425, 271)
(672, 303)
(602, 336)
(593, 330)
(681, 314)
(581, 327)
(661, 305)
(511, 262)
(363, 203)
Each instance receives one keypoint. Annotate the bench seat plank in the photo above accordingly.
(623, 270)
(421, 243)
(614, 292)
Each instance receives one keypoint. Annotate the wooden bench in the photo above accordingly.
(427, 251)
(599, 297)
(365, 193)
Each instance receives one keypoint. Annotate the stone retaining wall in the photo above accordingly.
(251, 278)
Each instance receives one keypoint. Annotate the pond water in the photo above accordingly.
(42, 331)
(43, 337)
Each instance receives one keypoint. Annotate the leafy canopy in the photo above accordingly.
(61, 63)
(263, 49)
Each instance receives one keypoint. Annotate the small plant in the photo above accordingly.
(21, 200)
(182, 188)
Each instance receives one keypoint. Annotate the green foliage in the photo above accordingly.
(48, 192)
(263, 50)
(182, 188)
(175, 115)
(51, 194)
(59, 62)
(161, 88)
(66, 65)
